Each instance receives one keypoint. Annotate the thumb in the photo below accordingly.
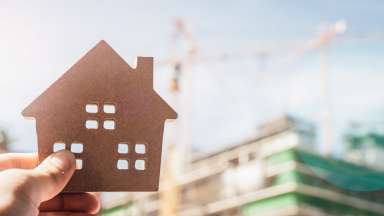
(51, 176)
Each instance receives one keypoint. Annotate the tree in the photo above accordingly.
(4, 141)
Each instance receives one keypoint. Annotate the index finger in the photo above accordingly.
(18, 160)
(73, 202)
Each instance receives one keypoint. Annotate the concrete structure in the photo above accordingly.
(272, 174)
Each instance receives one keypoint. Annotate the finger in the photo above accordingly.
(64, 214)
(81, 202)
(18, 160)
(50, 177)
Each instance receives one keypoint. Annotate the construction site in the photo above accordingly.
(281, 170)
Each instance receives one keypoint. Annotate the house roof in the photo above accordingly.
(102, 74)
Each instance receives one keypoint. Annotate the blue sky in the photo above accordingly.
(40, 40)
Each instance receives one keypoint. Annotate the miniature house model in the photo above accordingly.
(108, 114)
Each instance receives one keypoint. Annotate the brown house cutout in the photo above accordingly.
(109, 115)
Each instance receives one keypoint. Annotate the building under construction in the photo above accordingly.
(273, 174)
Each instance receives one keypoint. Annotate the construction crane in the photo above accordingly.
(334, 32)
(322, 43)
(180, 151)
(181, 89)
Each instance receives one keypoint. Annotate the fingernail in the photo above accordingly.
(63, 160)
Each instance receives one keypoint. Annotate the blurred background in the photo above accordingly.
(280, 103)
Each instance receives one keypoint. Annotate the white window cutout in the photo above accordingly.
(140, 164)
(58, 146)
(77, 148)
(140, 148)
(122, 148)
(109, 108)
(122, 164)
(79, 164)
(109, 125)
(91, 108)
(91, 124)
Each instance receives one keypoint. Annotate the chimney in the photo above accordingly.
(145, 68)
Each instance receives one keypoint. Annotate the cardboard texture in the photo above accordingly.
(109, 115)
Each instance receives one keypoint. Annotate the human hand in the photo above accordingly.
(27, 188)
